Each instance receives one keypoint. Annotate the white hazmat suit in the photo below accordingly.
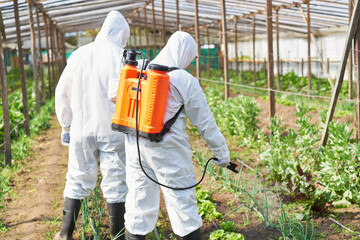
(82, 102)
(169, 161)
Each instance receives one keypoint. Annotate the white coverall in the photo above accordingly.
(169, 161)
(82, 101)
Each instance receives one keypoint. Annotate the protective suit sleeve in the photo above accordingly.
(63, 96)
(200, 116)
(113, 83)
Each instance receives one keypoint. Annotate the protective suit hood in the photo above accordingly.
(114, 29)
(180, 51)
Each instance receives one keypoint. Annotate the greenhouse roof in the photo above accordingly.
(79, 15)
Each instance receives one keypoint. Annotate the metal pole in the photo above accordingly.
(40, 57)
(236, 48)
(253, 39)
(340, 77)
(197, 39)
(308, 42)
(154, 29)
(52, 53)
(5, 106)
(278, 50)
(34, 56)
(269, 31)
(302, 67)
(225, 42)
(21, 66)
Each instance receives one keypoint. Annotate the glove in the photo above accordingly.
(65, 136)
(222, 162)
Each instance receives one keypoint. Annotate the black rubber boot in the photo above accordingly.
(130, 236)
(116, 215)
(195, 235)
(70, 214)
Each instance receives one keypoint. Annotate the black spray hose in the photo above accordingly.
(137, 140)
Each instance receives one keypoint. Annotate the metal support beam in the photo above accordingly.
(357, 88)
(225, 42)
(208, 50)
(269, 32)
(139, 31)
(340, 77)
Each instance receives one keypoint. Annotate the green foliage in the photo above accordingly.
(310, 172)
(207, 208)
(236, 116)
(228, 226)
(221, 234)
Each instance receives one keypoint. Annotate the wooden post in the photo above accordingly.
(208, 50)
(302, 67)
(357, 83)
(5, 105)
(350, 66)
(197, 39)
(52, 53)
(308, 42)
(154, 29)
(277, 50)
(236, 49)
(269, 32)
(242, 67)
(225, 42)
(253, 39)
(319, 52)
(147, 35)
(163, 22)
(41, 60)
(21, 67)
(339, 80)
(177, 16)
(48, 56)
(139, 31)
(34, 56)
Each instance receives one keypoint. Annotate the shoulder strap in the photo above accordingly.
(173, 69)
(170, 122)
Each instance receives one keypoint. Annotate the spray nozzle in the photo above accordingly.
(232, 166)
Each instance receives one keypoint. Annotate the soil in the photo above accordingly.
(34, 209)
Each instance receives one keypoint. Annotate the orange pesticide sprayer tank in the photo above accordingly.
(152, 96)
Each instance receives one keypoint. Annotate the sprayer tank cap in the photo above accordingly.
(158, 67)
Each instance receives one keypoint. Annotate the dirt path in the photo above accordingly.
(38, 186)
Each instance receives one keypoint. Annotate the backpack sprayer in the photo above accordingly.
(140, 105)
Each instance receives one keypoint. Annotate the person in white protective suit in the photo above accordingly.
(169, 161)
(84, 110)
